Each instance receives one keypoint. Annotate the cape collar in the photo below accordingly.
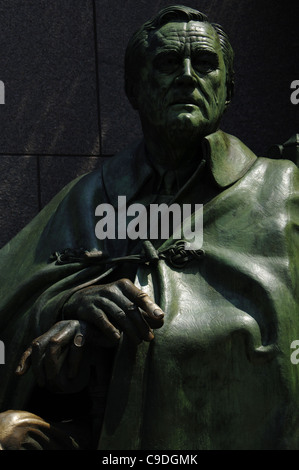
(125, 174)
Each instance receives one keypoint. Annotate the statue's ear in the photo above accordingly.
(229, 93)
(131, 89)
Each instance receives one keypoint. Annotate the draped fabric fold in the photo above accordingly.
(218, 374)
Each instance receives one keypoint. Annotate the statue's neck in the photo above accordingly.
(173, 154)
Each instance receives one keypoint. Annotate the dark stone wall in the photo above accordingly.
(65, 107)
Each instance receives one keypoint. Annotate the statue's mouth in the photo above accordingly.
(186, 102)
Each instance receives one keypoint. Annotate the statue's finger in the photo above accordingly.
(141, 299)
(75, 355)
(127, 316)
(25, 362)
(57, 348)
(39, 348)
(26, 359)
(76, 350)
(108, 334)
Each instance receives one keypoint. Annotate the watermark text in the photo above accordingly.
(2, 92)
(295, 94)
(155, 222)
(2, 353)
(295, 354)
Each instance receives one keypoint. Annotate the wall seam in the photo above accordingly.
(97, 74)
(39, 195)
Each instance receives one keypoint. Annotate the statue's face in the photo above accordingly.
(182, 85)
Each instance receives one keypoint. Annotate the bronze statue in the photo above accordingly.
(176, 349)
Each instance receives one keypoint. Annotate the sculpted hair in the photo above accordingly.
(137, 46)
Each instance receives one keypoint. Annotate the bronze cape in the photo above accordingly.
(218, 374)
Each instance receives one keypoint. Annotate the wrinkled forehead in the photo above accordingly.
(192, 34)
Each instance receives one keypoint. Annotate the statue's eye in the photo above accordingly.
(205, 63)
(167, 62)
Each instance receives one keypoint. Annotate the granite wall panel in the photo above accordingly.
(47, 63)
(18, 194)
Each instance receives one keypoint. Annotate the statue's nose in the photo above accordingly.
(187, 75)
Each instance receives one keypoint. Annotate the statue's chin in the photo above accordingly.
(185, 125)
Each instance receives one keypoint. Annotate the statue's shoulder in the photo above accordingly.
(232, 159)
(282, 167)
(122, 159)
(111, 167)
(275, 177)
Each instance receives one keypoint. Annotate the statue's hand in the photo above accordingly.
(114, 308)
(56, 357)
(95, 316)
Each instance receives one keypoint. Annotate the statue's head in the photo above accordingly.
(179, 71)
